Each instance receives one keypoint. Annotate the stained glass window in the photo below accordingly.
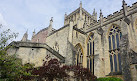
(109, 43)
(117, 37)
(115, 61)
(90, 53)
(119, 57)
(111, 62)
(114, 40)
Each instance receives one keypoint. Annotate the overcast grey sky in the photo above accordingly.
(20, 15)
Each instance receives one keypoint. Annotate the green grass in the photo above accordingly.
(109, 79)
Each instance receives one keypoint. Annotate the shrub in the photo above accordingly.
(109, 79)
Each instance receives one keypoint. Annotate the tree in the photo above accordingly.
(83, 73)
(52, 69)
(11, 67)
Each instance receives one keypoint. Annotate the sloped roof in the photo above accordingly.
(45, 29)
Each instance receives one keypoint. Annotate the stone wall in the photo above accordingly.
(33, 52)
(74, 32)
(60, 37)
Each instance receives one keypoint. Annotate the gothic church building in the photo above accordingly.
(108, 46)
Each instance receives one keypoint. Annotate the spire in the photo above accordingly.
(101, 13)
(50, 26)
(124, 3)
(94, 14)
(51, 21)
(65, 15)
(26, 32)
(65, 18)
(33, 33)
(101, 17)
(25, 36)
(94, 11)
(80, 10)
(124, 8)
(80, 4)
(80, 21)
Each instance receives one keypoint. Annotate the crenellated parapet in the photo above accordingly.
(114, 17)
(134, 5)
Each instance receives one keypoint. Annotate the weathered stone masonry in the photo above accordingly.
(108, 46)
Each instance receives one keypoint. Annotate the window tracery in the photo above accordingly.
(114, 50)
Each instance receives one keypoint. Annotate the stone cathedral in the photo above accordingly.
(107, 47)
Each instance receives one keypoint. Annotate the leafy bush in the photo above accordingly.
(109, 79)
(53, 69)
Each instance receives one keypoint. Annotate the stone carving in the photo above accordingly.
(100, 31)
(127, 20)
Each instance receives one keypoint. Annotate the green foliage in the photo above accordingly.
(11, 67)
(53, 69)
(5, 37)
(109, 79)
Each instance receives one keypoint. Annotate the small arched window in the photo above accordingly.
(114, 50)
(79, 55)
(90, 53)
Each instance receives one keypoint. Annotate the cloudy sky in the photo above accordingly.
(23, 15)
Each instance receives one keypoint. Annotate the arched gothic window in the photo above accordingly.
(90, 53)
(114, 52)
(78, 55)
